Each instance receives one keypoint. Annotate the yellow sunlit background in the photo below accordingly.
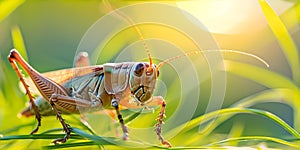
(214, 100)
(232, 16)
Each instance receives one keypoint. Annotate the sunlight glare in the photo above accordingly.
(231, 16)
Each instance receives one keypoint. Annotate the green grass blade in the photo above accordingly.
(69, 145)
(232, 111)
(52, 130)
(269, 79)
(113, 141)
(285, 40)
(273, 95)
(81, 122)
(8, 6)
(7, 145)
(259, 75)
(276, 119)
(258, 138)
(236, 131)
(37, 136)
(96, 139)
(18, 41)
(280, 95)
(290, 17)
(131, 117)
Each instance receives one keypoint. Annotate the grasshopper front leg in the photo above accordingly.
(156, 101)
(161, 116)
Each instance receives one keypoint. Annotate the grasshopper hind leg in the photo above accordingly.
(12, 60)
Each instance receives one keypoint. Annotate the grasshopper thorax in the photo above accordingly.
(142, 81)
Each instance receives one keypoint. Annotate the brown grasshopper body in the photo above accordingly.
(90, 88)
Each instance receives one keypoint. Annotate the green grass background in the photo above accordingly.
(261, 106)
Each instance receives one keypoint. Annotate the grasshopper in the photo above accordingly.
(93, 87)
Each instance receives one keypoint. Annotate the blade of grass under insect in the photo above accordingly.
(283, 37)
(18, 41)
(91, 143)
(96, 139)
(37, 136)
(258, 138)
(8, 6)
(232, 111)
(113, 141)
(52, 130)
(82, 124)
(69, 145)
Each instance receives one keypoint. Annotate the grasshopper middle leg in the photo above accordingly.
(115, 104)
(69, 102)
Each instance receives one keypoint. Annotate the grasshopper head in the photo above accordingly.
(142, 81)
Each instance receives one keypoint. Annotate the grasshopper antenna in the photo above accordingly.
(130, 21)
(211, 51)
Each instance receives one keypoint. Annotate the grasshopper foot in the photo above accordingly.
(65, 138)
(35, 130)
(59, 140)
(166, 143)
(125, 136)
(38, 117)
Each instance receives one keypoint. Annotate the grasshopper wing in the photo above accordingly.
(82, 65)
(62, 76)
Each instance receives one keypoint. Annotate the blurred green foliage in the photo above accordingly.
(47, 34)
